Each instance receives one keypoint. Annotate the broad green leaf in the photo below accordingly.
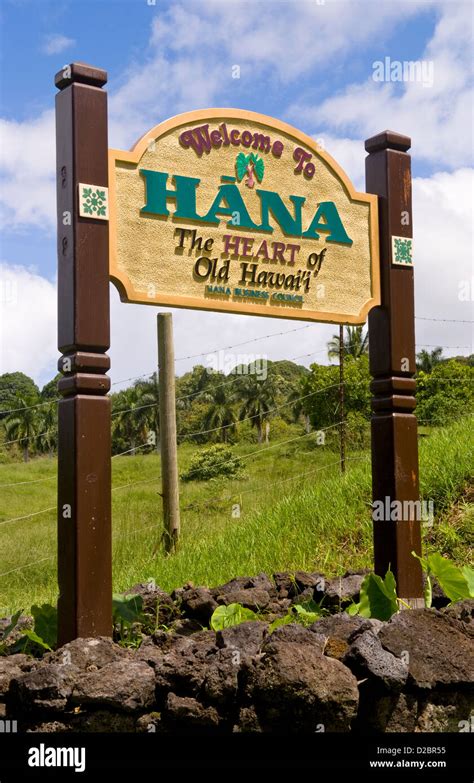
(28, 640)
(11, 627)
(378, 597)
(468, 574)
(353, 609)
(451, 579)
(304, 616)
(288, 618)
(46, 623)
(127, 609)
(227, 616)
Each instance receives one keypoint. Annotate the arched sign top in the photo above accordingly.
(231, 210)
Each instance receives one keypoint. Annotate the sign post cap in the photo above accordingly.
(82, 73)
(388, 140)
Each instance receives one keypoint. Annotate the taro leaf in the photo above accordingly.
(468, 574)
(452, 580)
(46, 623)
(307, 612)
(303, 616)
(11, 627)
(127, 609)
(227, 616)
(353, 609)
(288, 618)
(28, 641)
(378, 597)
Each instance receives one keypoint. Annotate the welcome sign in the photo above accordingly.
(229, 210)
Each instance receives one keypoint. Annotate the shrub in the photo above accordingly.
(213, 461)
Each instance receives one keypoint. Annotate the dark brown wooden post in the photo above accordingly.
(84, 470)
(392, 365)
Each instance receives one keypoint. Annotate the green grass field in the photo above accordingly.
(296, 513)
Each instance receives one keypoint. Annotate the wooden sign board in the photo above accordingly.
(229, 210)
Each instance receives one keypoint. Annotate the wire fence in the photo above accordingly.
(260, 488)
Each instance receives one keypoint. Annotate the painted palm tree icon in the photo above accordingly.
(248, 166)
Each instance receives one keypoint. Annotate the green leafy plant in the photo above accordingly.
(213, 461)
(378, 597)
(43, 636)
(127, 613)
(305, 614)
(456, 583)
(227, 616)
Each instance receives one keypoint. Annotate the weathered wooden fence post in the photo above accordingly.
(392, 365)
(84, 471)
(169, 453)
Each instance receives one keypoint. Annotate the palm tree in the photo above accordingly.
(221, 412)
(22, 424)
(149, 394)
(258, 400)
(129, 418)
(356, 344)
(297, 407)
(427, 360)
(48, 426)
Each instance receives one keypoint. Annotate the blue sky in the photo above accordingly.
(307, 62)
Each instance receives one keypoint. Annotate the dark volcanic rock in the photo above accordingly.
(184, 668)
(294, 633)
(88, 654)
(440, 652)
(246, 638)
(367, 658)
(293, 687)
(12, 666)
(45, 689)
(254, 598)
(463, 611)
(127, 686)
(339, 630)
(343, 590)
(261, 581)
(198, 603)
(184, 713)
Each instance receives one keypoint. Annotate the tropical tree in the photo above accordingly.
(258, 400)
(427, 360)
(221, 411)
(12, 385)
(22, 423)
(48, 427)
(129, 418)
(297, 406)
(356, 343)
(149, 396)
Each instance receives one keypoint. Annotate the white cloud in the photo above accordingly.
(443, 257)
(55, 44)
(27, 322)
(28, 172)
(187, 64)
(437, 117)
